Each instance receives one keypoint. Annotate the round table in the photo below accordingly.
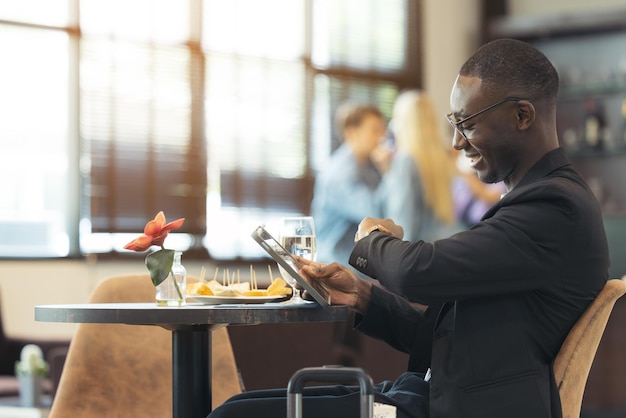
(190, 326)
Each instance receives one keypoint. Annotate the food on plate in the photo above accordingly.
(199, 288)
(256, 292)
(232, 286)
(213, 288)
(232, 289)
(279, 287)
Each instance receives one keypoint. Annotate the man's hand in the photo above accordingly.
(381, 157)
(341, 283)
(387, 226)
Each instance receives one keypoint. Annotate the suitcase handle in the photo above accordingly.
(329, 374)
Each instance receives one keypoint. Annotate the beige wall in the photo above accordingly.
(451, 34)
(24, 284)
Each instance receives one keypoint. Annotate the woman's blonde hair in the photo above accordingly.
(416, 131)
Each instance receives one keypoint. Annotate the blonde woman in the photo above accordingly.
(416, 191)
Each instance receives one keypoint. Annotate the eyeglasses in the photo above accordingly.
(457, 124)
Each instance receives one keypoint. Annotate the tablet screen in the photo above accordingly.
(286, 260)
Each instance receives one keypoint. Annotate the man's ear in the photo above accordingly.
(525, 115)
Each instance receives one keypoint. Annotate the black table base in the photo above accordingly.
(191, 371)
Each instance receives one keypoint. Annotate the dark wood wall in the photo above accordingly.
(606, 385)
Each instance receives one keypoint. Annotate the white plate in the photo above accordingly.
(217, 300)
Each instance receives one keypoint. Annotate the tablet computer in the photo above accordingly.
(287, 261)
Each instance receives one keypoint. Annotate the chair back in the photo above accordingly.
(117, 370)
(574, 360)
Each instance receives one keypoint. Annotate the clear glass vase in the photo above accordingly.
(30, 390)
(171, 291)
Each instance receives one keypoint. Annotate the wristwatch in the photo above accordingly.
(377, 227)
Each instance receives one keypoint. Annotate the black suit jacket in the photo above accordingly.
(502, 295)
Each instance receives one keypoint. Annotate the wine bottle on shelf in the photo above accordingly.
(593, 125)
(623, 144)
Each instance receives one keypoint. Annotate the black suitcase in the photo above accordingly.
(329, 374)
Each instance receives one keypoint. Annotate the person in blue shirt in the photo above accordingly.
(346, 188)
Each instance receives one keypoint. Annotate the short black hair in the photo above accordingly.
(514, 66)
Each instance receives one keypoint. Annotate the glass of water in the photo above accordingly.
(297, 235)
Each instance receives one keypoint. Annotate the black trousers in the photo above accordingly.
(409, 393)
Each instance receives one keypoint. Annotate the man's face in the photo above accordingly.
(488, 145)
(368, 134)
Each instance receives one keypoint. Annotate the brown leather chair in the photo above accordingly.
(572, 364)
(115, 370)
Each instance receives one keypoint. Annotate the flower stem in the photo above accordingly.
(180, 295)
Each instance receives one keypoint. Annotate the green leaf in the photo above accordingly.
(41, 369)
(159, 264)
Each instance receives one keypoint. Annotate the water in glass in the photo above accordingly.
(297, 235)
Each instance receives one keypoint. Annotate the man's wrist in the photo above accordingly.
(363, 295)
(377, 227)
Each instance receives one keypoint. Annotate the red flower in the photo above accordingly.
(154, 233)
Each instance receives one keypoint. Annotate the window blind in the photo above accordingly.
(137, 117)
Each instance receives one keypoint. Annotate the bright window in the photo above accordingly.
(36, 163)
